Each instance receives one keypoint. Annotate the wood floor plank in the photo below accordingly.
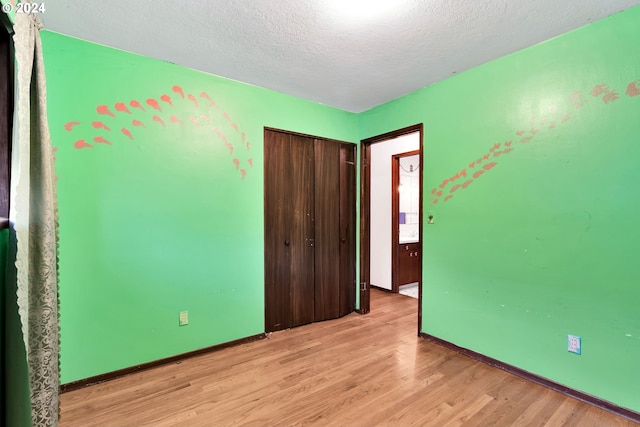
(355, 371)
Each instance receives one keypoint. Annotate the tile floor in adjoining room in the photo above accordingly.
(410, 290)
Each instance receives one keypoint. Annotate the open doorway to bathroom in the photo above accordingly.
(406, 266)
(378, 228)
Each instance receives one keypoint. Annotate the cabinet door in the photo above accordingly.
(327, 230)
(347, 228)
(408, 263)
(277, 245)
(301, 201)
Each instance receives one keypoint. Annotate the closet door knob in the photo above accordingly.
(286, 243)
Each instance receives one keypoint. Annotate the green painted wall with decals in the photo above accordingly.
(160, 178)
(531, 172)
(161, 205)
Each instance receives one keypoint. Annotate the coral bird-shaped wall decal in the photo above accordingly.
(121, 107)
(100, 125)
(177, 89)
(126, 132)
(193, 99)
(101, 140)
(69, 125)
(104, 109)
(159, 120)
(154, 104)
(81, 143)
(136, 104)
(167, 99)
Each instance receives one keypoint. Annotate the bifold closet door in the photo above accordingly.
(301, 230)
(347, 228)
(327, 230)
(335, 229)
(277, 242)
(289, 230)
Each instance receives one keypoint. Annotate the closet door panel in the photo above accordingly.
(301, 199)
(277, 183)
(327, 230)
(347, 228)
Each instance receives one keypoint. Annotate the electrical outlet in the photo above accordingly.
(574, 344)
(184, 318)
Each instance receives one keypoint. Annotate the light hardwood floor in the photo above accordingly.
(368, 370)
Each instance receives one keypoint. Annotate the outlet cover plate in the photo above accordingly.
(184, 318)
(574, 344)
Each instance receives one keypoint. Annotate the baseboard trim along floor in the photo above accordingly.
(567, 391)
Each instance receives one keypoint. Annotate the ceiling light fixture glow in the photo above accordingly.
(354, 12)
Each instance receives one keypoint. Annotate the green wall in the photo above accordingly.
(540, 238)
(169, 219)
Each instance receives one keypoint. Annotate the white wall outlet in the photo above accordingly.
(574, 344)
(184, 318)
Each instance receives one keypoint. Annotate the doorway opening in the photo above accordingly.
(406, 268)
(378, 229)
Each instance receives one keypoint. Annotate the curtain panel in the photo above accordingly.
(33, 219)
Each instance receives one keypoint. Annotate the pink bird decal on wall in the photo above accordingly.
(126, 132)
(100, 125)
(609, 97)
(633, 89)
(194, 100)
(177, 89)
(167, 99)
(101, 140)
(159, 120)
(174, 119)
(136, 104)
(599, 90)
(121, 107)
(69, 125)
(206, 96)
(154, 104)
(104, 109)
(81, 143)
(138, 123)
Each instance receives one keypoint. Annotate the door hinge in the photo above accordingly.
(363, 286)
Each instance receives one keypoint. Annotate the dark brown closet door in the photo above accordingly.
(301, 200)
(309, 199)
(347, 228)
(327, 230)
(277, 188)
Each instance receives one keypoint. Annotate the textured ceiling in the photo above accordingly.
(329, 51)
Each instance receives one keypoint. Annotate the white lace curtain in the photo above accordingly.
(34, 219)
